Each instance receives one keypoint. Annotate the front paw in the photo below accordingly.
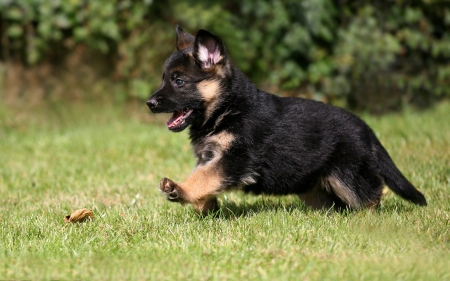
(170, 189)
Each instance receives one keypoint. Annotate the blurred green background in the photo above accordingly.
(375, 56)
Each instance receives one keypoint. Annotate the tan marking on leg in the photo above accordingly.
(216, 144)
(206, 206)
(206, 181)
(375, 204)
(249, 179)
(222, 141)
(203, 183)
(334, 184)
(210, 91)
(317, 198)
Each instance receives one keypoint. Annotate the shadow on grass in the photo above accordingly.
(232, 210)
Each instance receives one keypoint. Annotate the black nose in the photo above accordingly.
(152, 103)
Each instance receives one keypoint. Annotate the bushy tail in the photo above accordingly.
(395, 179)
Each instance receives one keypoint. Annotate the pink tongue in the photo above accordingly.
(176, 119)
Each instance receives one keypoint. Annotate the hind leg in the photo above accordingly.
(319, 198)
(361, 189)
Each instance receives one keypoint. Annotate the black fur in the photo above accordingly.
(248, 139)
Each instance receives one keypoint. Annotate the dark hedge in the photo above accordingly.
(373, 55)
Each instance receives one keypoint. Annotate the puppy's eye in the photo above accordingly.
(179, 82)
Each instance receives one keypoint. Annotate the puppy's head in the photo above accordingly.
(193, 79)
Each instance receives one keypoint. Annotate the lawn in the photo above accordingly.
(59, 158)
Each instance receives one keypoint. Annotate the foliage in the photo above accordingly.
(368, 55)
(388, 54)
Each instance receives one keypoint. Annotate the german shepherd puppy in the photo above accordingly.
(250, 140)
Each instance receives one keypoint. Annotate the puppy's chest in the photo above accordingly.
(211, 148)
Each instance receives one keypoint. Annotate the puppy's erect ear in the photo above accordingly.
(184, 39)
(208, 49)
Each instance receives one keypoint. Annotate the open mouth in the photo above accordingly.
(178, 120)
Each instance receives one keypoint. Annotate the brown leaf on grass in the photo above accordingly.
(80, 215)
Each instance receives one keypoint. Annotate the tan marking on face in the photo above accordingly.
(223, 71)
(210, 91)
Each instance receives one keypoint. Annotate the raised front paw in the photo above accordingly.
(170, 189)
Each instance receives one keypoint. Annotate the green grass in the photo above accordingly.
(57, 159)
